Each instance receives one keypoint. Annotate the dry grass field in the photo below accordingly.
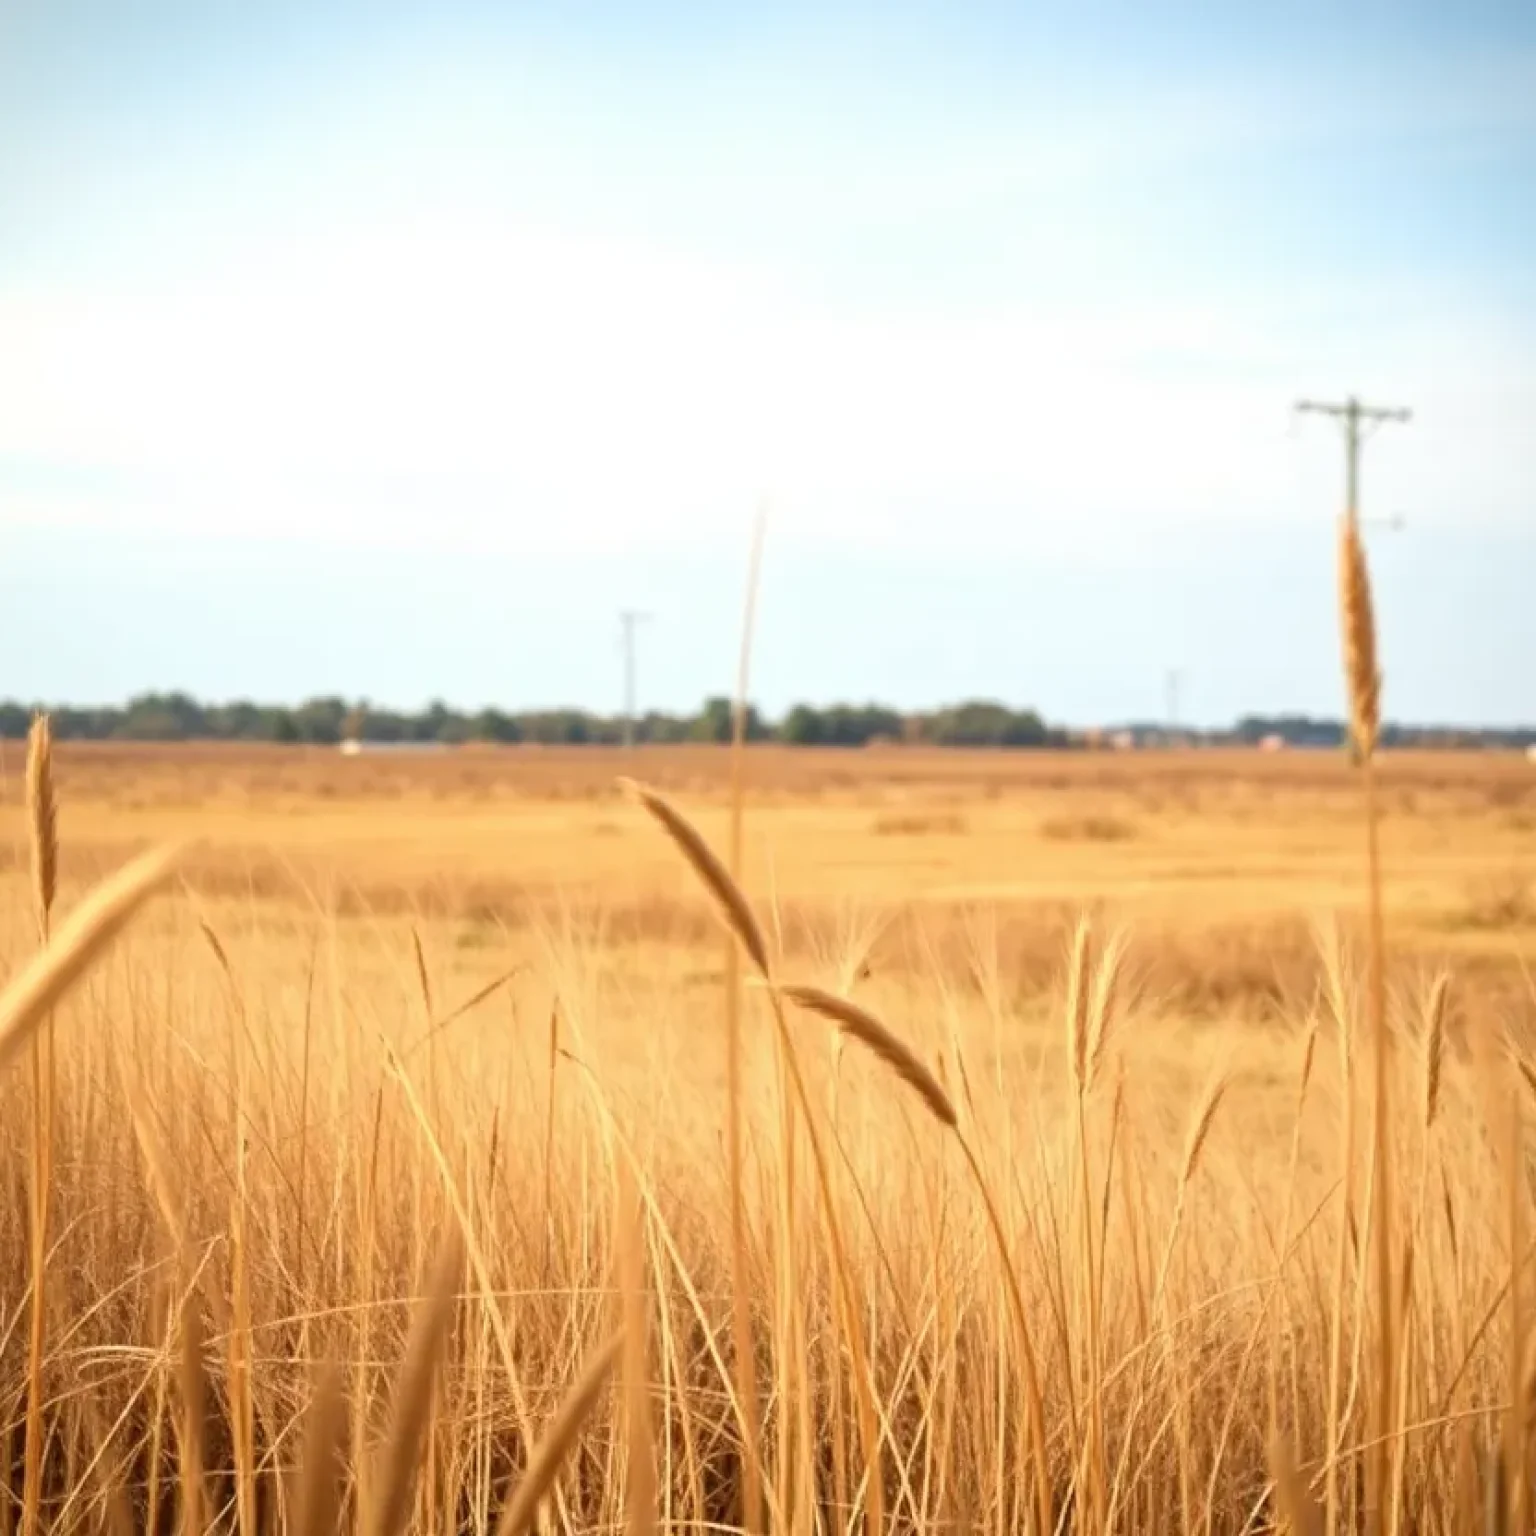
(408, 1100)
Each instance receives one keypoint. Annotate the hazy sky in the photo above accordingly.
(342, 349)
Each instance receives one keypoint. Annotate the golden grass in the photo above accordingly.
(1118, 1252)
(1357, 614)
(871, 1033)
(1362, 677)
(42, 820)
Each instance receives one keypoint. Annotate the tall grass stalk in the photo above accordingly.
(744, 1345)
(42, 822)
(1363, 677)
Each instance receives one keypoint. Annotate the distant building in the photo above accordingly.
(350, 747)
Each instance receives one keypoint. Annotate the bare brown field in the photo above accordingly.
(1221, 862)
(1107, 1268)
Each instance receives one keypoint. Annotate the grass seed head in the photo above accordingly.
(1107, 980)
(1434, 1046)
(1077, 1003)
(1361, 668)
(42, 818)
(871, 1033)
(1200, 1126)
(729, 900)
(92, 925)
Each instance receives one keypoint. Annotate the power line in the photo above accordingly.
(1355, 417)
(629, 619)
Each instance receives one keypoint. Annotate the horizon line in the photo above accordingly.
(16, 715)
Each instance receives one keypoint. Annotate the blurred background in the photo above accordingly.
(351, 349)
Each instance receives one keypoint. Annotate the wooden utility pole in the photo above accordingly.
(629, 619)
(1174, 679)
(1355, 417)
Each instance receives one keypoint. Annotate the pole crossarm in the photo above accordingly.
(1354, 408)
(1354, 415)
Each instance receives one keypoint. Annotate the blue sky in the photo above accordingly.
(346, 349)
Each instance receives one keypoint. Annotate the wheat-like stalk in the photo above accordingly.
(1361, 669)
(640, 1469)
(1525, 1067)
(1200, 1127)
(1363, 678)
(750, 1506)
(411, 1405)
(1194, 1145)
(157, 1161)
(1434, 1046)
(1294, 1497)
(90, 928)
(1308, 1059)
(549, 1454)
(1105, 1000)
(194, 1418)
(871, 1033)
(317, 1481)
(423, 980)
(1077, 1004)
(738, 919)
(42, 820)
(729, 900)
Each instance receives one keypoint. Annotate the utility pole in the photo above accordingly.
(1175, 677)
(1355, 416)
(629, 618)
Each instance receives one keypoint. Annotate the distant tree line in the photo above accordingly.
(975, 723)
(328, 721)
(1306, 731)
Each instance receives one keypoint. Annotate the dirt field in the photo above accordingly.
(400, 996)
(1222, 863)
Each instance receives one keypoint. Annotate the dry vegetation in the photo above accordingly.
(456, 1143)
